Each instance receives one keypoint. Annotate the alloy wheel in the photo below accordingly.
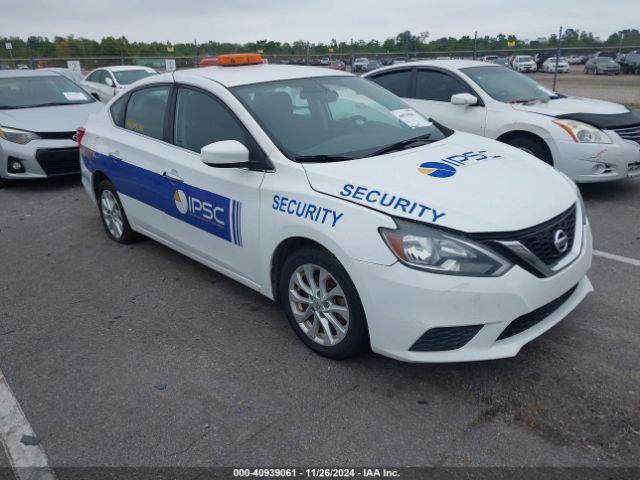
(111, 213)
(319, 304)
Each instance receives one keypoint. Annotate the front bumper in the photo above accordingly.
(597, 162)
(40, 158)
(402, 304)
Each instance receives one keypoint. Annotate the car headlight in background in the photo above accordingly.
(582, 132)
(17, 136)
(437, 251)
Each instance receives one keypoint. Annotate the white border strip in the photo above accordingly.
(617, 258)
(28, 462)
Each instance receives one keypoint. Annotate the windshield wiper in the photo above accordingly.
(321, 158)
(51, 104)
(411, 142)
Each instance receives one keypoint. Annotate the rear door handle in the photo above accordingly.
(115, 155)
(173, 176)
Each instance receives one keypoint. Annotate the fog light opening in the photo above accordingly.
(15, 166)
(598, 168)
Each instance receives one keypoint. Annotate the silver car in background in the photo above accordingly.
(40, 111)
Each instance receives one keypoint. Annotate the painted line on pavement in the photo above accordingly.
(617, 258)
(29, 462)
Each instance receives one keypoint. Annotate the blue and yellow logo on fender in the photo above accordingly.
(437, 169)
(447, 167)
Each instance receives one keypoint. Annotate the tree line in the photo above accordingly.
(404, 42)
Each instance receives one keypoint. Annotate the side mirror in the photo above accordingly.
(464, 99)
(225, 154)
(108, 81)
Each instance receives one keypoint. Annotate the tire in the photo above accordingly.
(314, 313)
(533, 147)
(114, 219)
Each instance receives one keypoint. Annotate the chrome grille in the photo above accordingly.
(629, 133)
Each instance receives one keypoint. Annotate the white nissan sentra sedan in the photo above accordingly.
(369, 224)
(589, 140)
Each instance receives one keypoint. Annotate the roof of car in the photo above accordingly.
(451, 64)
(27, 73)
(247, 74)
(122, 68)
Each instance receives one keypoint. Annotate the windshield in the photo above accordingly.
(604, 59)
(40, 91)
(525, 59)
(334, 118)
(126, 77)
(506, 85)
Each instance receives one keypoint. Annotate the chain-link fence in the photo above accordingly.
(348, 58)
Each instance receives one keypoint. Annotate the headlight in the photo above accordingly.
(17, 136)
(437, 251)
(582, 132)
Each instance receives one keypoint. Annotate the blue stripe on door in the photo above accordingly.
(208, 211)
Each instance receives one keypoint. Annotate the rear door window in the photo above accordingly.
(146, 111)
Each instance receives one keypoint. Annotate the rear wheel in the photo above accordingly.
(533, 147)
(114, 219)
(322, 304)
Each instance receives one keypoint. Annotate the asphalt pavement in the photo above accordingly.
(138, 356)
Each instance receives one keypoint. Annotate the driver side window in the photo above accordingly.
(201, 120)
(438, 86)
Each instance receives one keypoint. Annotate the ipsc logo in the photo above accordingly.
(181, 201)
(199, 208)
(447, 167)
(437, 169)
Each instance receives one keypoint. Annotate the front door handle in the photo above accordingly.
(173, 176)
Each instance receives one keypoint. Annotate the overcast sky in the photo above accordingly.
(312, 20)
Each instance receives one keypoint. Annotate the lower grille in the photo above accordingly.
(59, 161)
(445, 338)
(629, 133)
(530, 319)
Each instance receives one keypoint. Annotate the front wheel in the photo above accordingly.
(114, 219)
(533, 147)
(322, 304)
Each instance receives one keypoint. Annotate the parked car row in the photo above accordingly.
(256, 171)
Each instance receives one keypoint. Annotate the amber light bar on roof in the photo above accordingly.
(239, 59)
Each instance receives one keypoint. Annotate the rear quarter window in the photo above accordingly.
(118, 110)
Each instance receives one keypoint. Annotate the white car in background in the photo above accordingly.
(40, 111)
(104, 83)
(360, 64)
(549, 65)
(589, 140)
(524, 64)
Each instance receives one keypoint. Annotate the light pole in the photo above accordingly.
(555, 73)
(620, 44)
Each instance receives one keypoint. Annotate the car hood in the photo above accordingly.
(492, 188)
(63, 118)
(563, 106)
